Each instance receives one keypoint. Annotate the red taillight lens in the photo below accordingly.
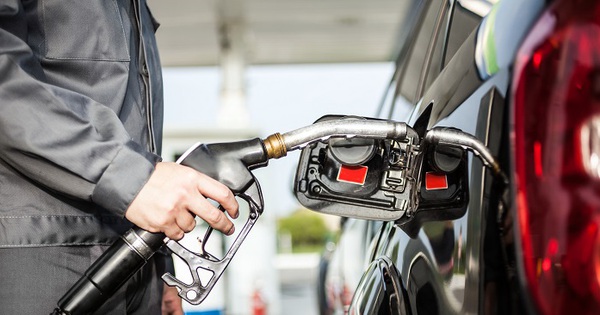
(556, 115)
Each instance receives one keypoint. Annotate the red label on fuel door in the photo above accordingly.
(355, 174)
(435, 181)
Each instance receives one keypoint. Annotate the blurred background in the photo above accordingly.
(240, 69)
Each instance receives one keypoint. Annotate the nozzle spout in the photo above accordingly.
(277, 145)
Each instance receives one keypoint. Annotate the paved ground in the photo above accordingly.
(298, 276)
(299, 299)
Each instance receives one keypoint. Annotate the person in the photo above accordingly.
(80, 141)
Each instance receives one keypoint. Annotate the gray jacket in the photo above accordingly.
(80, 118)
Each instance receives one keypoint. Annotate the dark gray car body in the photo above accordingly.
(451, 266)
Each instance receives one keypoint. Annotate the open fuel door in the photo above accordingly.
(399, 180)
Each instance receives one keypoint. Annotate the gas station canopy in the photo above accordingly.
(196, 32)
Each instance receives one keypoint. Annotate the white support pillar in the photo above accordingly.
(232, 34)
(253, 270)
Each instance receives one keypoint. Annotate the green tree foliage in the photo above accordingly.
(305, 227)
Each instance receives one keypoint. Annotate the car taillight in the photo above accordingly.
(556, 141)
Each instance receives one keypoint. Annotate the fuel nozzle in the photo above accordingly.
(455, 138)
(231, 164)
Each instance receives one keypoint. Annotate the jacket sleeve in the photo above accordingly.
(60, 139)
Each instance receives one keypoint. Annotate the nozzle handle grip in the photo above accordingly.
(229, 163)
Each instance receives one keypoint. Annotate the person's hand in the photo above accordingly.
(171, 302)
(174, 194)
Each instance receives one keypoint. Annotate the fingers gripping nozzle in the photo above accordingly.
(229, 163)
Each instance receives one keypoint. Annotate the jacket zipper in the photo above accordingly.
(144, 72)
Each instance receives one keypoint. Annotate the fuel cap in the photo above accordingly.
(352, 151)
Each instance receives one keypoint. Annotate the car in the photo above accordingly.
(519, 235)
(343, 264)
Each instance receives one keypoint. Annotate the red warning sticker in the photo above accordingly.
(435, 181)
(355, 174)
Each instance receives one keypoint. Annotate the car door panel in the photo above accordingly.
(473, 106)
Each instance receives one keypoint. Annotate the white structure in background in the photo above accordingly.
(232, 35)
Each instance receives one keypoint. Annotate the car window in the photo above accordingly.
(411, 73)
(406, 35)
(464, 21)
(386, 102)
(394, 103)
(441, 34)
(424, 60)
(433, 60)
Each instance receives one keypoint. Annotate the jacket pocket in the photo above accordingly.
(85, 30)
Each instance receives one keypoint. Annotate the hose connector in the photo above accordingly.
(275, 146)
